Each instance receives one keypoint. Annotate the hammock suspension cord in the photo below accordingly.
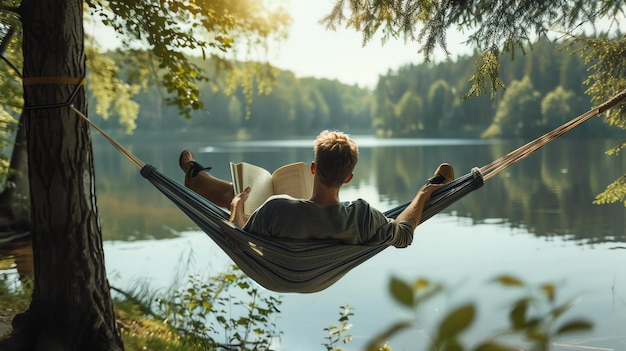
(526, 150)
(134, 159)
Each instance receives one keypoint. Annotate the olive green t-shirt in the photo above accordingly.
(354, 222)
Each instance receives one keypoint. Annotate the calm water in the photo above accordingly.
(535, 220)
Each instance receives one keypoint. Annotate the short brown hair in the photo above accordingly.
(336, 155)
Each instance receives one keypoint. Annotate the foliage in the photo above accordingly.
(615, 192)
(299, 105)
(406, 119)
(7, 125)
(608, 71)
(494, 27)
(535, 317)
(337, 333)
(112, 95)
(293, 107)
(10, 99)
(14, 294)
(608, 75)
(197, 315)
(229, 305)
(142, 332)
(170, 31)
(555, 106)
(519, 101)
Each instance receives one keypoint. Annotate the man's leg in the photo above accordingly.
(216, 190)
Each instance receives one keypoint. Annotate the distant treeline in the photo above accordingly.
(544, 88)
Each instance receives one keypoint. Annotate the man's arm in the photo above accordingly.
(237, 215)
(413, 213)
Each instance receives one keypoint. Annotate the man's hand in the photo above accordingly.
(428, 189)
(413, 213)
(237, 215)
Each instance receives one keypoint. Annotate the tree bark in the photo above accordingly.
(71, 306)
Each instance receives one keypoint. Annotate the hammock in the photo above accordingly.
(308, 266)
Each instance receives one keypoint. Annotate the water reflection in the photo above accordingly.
(16, 260)
(549, 193)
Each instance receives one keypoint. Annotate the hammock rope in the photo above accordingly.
(526, 150)
(308, 266)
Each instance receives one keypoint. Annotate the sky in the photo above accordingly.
(313, 51)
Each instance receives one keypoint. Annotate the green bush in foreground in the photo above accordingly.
(534, 318)
(224, 312)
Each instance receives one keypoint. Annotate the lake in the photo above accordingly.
(535, 220)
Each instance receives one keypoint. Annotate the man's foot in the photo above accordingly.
(190, 166)
(443, 175)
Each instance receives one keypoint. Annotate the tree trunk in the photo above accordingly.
(71, 307)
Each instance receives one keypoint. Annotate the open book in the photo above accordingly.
(294, 179)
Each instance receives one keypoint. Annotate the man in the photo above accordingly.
(323, 215)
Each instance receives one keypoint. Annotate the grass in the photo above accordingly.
(139, 330)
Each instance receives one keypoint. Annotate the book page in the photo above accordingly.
(294, 179)
(258, 179)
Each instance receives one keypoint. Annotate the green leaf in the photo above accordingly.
(493, 346)
(381, 339)
(452, 345)
(509, 280)
(537, 335)
(549, 290)
(421, 284)
(558, 311)
(575, 326)
(401, 292)
(457, 321)
(517, 316)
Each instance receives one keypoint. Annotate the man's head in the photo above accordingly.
(336, 156)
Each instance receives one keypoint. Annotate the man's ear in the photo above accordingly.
(348, 178)
(313, 166)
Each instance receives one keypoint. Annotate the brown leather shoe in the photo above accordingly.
(185, 157)
(443, 175)
(190, 166)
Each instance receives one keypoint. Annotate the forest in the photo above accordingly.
(544, 89)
